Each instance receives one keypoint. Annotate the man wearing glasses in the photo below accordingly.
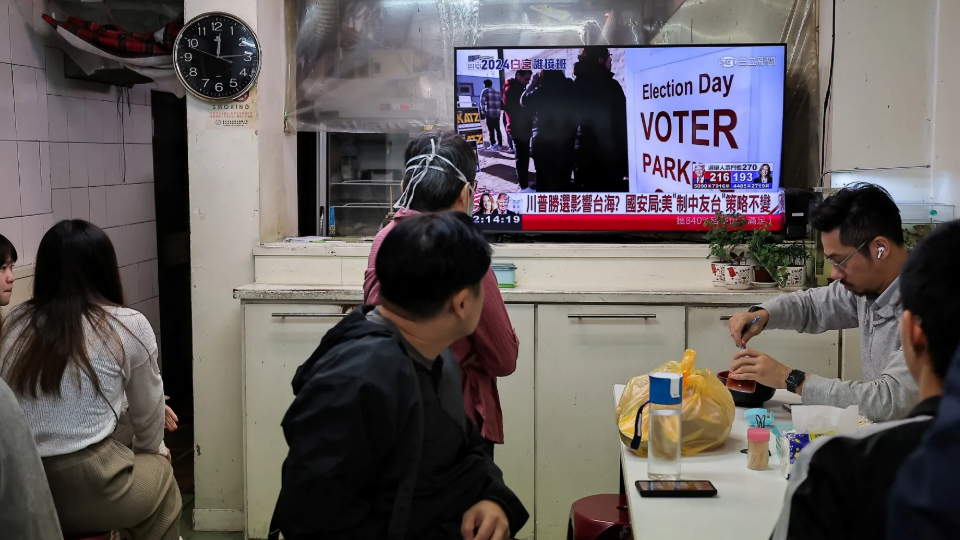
(862, 238)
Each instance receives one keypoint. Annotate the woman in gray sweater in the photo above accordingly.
(70, 354)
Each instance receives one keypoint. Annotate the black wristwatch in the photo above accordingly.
(795, 380)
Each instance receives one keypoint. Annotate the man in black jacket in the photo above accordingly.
(519, 123)
(380, 445)
(601, 143)
(554, 137)
(840, 485)
(923, 500)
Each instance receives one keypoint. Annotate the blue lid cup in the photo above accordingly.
(665, 389)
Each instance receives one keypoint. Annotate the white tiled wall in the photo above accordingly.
(67, 151)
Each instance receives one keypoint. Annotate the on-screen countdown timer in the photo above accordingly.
(217, 57)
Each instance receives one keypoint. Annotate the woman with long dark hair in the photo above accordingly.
(487, 205)
(69, 354)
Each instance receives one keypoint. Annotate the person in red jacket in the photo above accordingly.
(441, 175)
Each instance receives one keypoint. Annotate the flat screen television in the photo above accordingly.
(624, 139)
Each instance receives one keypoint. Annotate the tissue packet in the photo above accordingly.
(810, 423)
(825, 420)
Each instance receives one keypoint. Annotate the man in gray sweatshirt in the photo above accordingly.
(862, 237)
(26, 506)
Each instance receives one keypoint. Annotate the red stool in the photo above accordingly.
(600, 517)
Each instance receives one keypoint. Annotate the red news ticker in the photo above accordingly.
(634, 223)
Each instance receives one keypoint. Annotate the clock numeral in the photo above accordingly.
(193, 72)
(231, 30)
(192, 43)
(233, 83)
(216, 26)
(243, 72)
(202, 31)
(205, 81)
(218, 87)
(187, 56)
(247, 56)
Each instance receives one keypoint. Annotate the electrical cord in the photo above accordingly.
(826, 97)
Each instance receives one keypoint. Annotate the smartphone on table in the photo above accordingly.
(679, 488)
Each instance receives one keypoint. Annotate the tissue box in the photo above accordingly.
(811, 423)
(789, 444)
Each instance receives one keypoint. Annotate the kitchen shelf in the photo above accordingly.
(360, 197)
(924, 212)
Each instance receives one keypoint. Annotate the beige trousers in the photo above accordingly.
(106, 487)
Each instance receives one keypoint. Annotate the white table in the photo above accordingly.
(747, 503)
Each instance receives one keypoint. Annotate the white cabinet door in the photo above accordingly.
(516, 456)
(582, 351)
(274, 347)
(708, 333)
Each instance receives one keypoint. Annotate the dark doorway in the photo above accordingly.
(307, 183)
(172, 190)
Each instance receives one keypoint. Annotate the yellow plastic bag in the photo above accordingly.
(706, 414)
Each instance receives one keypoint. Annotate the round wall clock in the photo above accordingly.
(217, 56)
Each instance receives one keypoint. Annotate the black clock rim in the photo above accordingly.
(176, 49)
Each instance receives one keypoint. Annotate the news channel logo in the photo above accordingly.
(747, 61)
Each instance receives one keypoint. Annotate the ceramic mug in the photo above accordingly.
(717, 269)
(795, 276)
(738, 277)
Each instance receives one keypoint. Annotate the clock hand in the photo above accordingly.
(213, 55)
(218, 45)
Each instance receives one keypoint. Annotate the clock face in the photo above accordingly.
(217, 57)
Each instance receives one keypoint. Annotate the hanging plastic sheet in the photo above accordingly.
(387, 65)
(146, 18)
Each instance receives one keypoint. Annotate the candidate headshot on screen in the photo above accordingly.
(487, 206)
(766, 175)
(699, 177)
(503, 203)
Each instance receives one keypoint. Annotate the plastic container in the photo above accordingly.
(506, 275)
(664, 439)
(758, 449)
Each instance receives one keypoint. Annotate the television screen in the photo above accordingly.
(623, 138)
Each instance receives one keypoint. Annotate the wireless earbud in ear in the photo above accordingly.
(880, 251)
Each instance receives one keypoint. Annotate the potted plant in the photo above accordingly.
(792, 273)
(727, 235)
(766, 248)
(913, 235)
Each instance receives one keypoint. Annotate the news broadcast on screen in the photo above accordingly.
(623, 138)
